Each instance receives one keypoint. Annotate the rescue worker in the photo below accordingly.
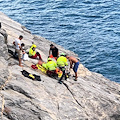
(51, 67)
(55, 52)
(62, 62)
(33, 54)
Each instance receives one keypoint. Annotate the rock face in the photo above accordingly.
(92, 97)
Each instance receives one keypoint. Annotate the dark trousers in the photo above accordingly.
(36, 55)
(51, 73)
(63, 73)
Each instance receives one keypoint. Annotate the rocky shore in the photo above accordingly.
(92, 97)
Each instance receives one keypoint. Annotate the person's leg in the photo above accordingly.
(34, 57)
(51, 73)
(20, 63)
(16, 54)
(75, 68)
(40, 57)
(63, 74)
(55, 74)
(60, 80)
(19, 56)
(38, 54)
(75, 76)
(48, 73)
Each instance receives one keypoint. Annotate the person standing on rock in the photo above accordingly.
(55, 52)
(18, 48)
(62, 62)
(74, 61)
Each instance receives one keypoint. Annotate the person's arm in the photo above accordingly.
(40, 56)
(44, 65)
(19, 46)
(55, 65)
(23, 51)
(71, 63)
(58, 54)
(65, 62)
(47, 67)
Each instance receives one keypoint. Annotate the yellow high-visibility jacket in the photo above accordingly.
(31, 52)
(62, 61)
(51, 65)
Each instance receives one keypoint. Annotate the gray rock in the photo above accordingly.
(3, 32)
(92, 97)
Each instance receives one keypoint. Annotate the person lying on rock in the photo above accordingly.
(18, 48)
(62, 62)
(55, 52)
(74, 61)
(33, 54)
(50, 66)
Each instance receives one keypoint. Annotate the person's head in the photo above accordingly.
(33, 47)
(63, 54)
(52, 46)
(20, 37)
(67, 56)
(49, 59)
(22, 45)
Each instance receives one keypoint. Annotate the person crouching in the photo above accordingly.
(62, 62)
(51, 67)
(33, 54)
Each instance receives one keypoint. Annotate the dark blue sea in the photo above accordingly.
(90, 28)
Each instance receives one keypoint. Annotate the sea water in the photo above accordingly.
(90, 28)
